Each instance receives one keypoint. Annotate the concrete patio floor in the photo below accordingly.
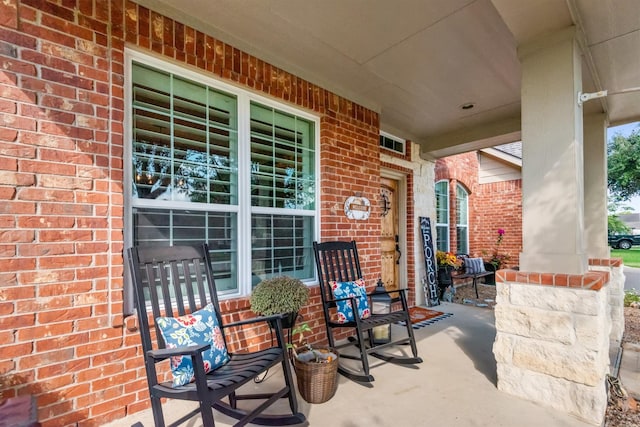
(454, 386)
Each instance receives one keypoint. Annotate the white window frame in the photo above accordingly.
(243, 208)
(460, 189)
(443, 224)
(397, 139)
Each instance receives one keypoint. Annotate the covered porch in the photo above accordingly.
(443, 76)
(455, 386)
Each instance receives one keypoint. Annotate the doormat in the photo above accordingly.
(421, 317)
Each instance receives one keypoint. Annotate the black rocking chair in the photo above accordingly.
(174, 281)
(338, 261)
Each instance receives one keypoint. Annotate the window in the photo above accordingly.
(442, 216)
(392, 143)
(210, 162)
(462, 219)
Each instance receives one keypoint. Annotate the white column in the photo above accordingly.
(552, 172)
(595, 185)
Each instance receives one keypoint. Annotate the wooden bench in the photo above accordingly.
(489, 271)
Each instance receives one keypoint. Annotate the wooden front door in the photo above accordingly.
(389, 238)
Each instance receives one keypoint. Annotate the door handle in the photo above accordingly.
(398, 249)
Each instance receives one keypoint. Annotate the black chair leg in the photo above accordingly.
(156, 408)
(288, 378)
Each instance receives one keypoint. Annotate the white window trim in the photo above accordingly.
(448, 223)
(466, 224)
(244, 98)
(397, 139)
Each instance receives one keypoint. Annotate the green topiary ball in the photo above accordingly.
(280, 294)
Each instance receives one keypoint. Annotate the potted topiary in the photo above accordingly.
(316, 367)
(281, 294)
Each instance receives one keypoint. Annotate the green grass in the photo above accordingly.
(631, 257)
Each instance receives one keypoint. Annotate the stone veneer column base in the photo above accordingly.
(552, 339)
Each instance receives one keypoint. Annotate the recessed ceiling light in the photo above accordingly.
(467, 106)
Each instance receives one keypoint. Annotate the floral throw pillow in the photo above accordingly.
(350, 289)
(474, 265)
(200, 327)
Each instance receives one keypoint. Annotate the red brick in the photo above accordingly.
(37, 194)
(9, 13)
(48, 276)
(44, 87)
(17, 122)
(66, 315)
(14, 207)
(18, 67)
(9, 107)
(66, 78)
(37, 249)
(71, 56)
(7, 250)
(64, 341)
(55, 181)
(17, 321)
(16, 178)
(40, 113)
(9, 135)
(17, 38)
(67, 104)
(44, 331)
(47, 167)
(59, 156)
(8, 164)
(51, 8)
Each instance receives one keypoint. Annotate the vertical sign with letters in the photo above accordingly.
(430, 286)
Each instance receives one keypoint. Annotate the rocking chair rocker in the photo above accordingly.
(178, 281)
(338, 262)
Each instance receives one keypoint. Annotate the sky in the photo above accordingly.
(626, 130)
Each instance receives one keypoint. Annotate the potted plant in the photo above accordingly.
(497, 259)
(281, 294)
(316, 367)
(447, 262)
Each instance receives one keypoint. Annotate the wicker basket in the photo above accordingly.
(317, 382)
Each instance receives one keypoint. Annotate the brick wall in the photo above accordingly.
(492, 206)
(64, 337)
(498, 205)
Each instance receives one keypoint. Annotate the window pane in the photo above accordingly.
(463, 240)
(281, 245)
(442, 242)
(462, 205)
(462, 219)
(160, 227)
(184, 140)
(442, 202)
(282, 160)
(442, 215)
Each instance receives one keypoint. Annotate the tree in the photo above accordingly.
(623, 162)
(616, 226)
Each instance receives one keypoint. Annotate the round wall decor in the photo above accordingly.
(358, 208)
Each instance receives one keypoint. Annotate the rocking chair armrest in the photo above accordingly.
(335, 300)
(165, 353)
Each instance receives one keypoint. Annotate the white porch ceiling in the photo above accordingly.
(417, 62)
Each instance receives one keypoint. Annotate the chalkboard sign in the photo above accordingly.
(430, 285)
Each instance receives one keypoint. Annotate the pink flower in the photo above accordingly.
(500, 231)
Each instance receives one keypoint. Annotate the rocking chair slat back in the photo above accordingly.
(340, 263)
(175, 283)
